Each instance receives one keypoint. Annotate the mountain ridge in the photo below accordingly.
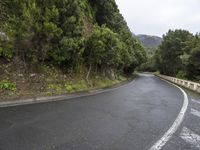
(149, 41)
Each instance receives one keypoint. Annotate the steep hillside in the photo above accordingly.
(58, 32)
(63, 39)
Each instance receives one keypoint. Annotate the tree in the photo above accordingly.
(103, 49)
(172, 48)
(107, 13)
(68, 33)
(193, 67)
(179, 55)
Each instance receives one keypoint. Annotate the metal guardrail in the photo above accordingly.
(187, 84)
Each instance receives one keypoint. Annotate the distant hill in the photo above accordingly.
(149, 41)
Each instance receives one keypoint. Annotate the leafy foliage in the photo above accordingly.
(6, 48)
(179, 55)
(7, 85)
(104, 48)
(193, 67)
(69, 34)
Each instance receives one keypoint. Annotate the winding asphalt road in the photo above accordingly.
(132, 117)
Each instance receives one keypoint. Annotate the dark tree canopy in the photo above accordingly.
(179, 55)
(68, 33)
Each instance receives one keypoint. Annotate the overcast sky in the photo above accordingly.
(156, 17)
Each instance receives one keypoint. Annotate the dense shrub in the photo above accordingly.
(179, 55)
(69, 33)
(7, 85)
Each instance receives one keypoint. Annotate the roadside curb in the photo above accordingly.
(80, 94)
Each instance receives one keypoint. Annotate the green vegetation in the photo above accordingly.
(87, 37)
(69, 33)
(178, 56)
(150, 43)
(7, 85)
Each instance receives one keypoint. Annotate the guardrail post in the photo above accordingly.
(195, 87)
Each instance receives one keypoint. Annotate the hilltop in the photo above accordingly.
(149, 41)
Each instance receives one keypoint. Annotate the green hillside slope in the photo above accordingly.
(151, 43)
(87, 37)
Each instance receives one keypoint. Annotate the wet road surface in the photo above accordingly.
(133, 116)
(187, 136)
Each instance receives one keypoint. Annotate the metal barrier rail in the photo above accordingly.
(187, 84)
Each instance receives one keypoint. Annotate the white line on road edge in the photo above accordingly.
(166, 137)
(190, 137)
(195, 112)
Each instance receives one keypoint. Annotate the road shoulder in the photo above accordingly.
(34, 100)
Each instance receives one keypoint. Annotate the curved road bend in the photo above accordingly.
(187, 136)
(131, 117)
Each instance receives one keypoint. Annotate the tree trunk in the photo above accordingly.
(88, 74)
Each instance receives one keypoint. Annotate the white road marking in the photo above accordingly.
(195, 112)
(195, 101)
(190, 137)
(166, 137)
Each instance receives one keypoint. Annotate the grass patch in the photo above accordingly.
(50, 81)
(7, 85)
